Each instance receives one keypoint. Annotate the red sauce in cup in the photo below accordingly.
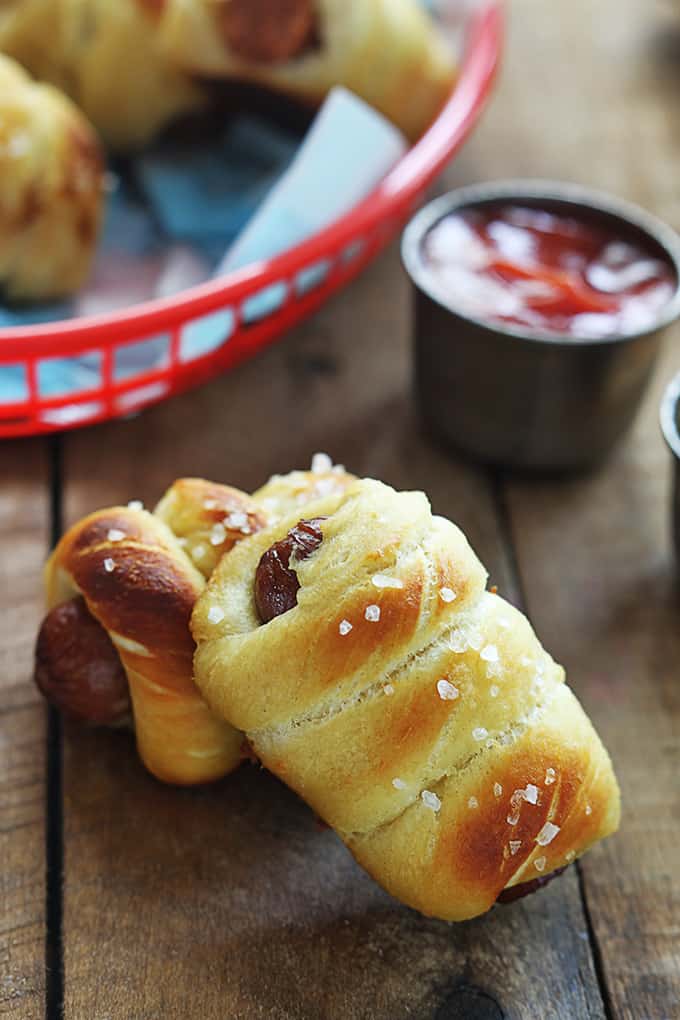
(526, 267)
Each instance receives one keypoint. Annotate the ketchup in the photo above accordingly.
(527, 267)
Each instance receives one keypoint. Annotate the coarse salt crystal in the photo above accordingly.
(383, 581)
(236, 519)
(497, 789)
(589, 810)
(530, 795)
(515, 807)
(493, 670)
(198, 552)
(321, 463)
(344, 628)
(489, 653)
(458, 642)
(431, 800)
(398, 784)
(215, 614)
(479, 733)
(550, 777)
(326, 487)
(447, 691)
(109, 566)
(547, 834)
(218, 534)
(494, 691)
(525, 661)
(475, 640)
(504, 623)
(447, 594)
(210, 504)
(135, 504)
(115, 535)
(539, 863)
(388, 689)
(338, 469)
(372, 613)
(514, 845)
(473, 802)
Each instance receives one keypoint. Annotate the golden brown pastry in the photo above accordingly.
(139, 584)
(389, 52)
(51, 189)
(104, 54)
(121, 585)
(416, 712)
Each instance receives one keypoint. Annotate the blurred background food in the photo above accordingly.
(51, 189)
(135, 65)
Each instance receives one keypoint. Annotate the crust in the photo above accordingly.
(51, 193)
(387, 51)
(341, 717)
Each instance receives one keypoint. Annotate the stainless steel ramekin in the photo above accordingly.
(670, 424)
(528, 400)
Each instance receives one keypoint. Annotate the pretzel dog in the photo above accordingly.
(52, 172)
(121, 586)
(416, 712)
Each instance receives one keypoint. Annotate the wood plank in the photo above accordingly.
(24, 540)
(594, 554)
(231, 901)
(597, 565)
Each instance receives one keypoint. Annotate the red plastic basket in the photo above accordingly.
(220, 312)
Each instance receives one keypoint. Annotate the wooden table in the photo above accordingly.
(125, 899)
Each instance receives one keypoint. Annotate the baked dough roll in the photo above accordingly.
(121, 585)
(139, 584)
(105, 55)
(29, 33)
(284, 494)
(51, 189)
(120, 78)
(416, 712)
(389, 52)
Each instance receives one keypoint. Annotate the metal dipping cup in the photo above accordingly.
(670, 425)
(512, 397)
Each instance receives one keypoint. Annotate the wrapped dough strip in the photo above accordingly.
(415, 712)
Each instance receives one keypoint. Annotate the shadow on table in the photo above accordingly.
(235, 894)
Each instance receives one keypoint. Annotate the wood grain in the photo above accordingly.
(24, 540)
(611, 613)
(231, 901)
(595, 553)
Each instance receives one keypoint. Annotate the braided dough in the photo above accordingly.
(387, 51)
(416, 712)
(51, 189)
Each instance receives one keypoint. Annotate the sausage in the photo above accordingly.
(518, 892)
(268, 31)
(77, 668)
(276, 584)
